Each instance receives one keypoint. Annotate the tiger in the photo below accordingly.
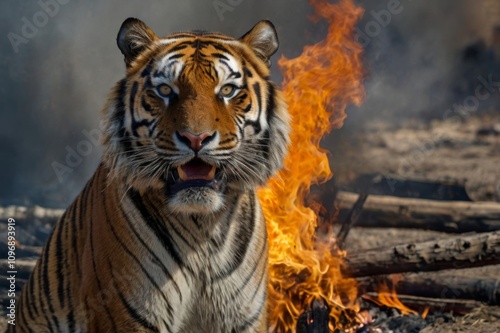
(168, 235)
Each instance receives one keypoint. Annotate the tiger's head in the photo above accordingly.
(196, 115)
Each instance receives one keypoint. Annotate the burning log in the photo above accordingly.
(314, 320)
(462, 252)
(437, 286)
(448, 216)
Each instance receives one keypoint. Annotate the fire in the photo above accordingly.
(386, 297)
(318, 86)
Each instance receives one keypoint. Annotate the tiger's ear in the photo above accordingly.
(263, 39)
(133, 38)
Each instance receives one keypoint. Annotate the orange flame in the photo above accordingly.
(387, 296)
(318, 86)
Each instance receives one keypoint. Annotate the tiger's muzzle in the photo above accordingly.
(195, 173)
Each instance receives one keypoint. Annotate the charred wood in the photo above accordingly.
(315, 319)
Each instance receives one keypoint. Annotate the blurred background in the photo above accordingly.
(427, 62)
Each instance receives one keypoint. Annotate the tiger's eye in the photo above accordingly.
(164, 90)
(227, 90)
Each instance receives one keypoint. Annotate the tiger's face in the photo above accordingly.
(196, 115)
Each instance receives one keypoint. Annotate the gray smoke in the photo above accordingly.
(58, 69)
(416, 55)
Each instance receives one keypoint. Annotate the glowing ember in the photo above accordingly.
(318, 86)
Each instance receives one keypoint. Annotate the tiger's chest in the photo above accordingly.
(223, 285)
(224, 304)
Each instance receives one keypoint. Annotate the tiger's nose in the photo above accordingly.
(195, 141)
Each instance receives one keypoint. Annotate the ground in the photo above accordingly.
(464, 151)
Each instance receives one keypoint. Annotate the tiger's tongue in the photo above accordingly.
(196, 169)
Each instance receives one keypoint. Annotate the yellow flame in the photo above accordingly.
(318, 86)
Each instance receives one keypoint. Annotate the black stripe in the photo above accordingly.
(180, 46)
(137, 124)
(264, 143)
(261, 277)
(76, 231)
(176, 56)
(241, 241)
(154, 256)
(242, 97)
(158, 228)
(59, 255)
(271, 103)
(250, 321)
(133, 92)
(220, 56)
(94, 267)
(233, 73)
(133, 312)
(45, 283)
(176, 224)
(119, 116)
(219, 47)
(30, 306)
(256, 88)
(248, 108)
(145, 105)
(146, 71)
(247, 72)
(256, 124)
(227, 222)
(134, 257)
(159, 73)
(71, 318)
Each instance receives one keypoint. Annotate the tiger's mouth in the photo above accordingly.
(195, 173)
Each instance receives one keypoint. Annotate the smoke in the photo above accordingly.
(54, 80)
(416, 62)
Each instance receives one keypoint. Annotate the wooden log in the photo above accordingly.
(447, 216)
(425, 304)
(486, 290)
(21, 213)
(461, 252)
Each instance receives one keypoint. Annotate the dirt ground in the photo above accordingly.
(439, 150)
